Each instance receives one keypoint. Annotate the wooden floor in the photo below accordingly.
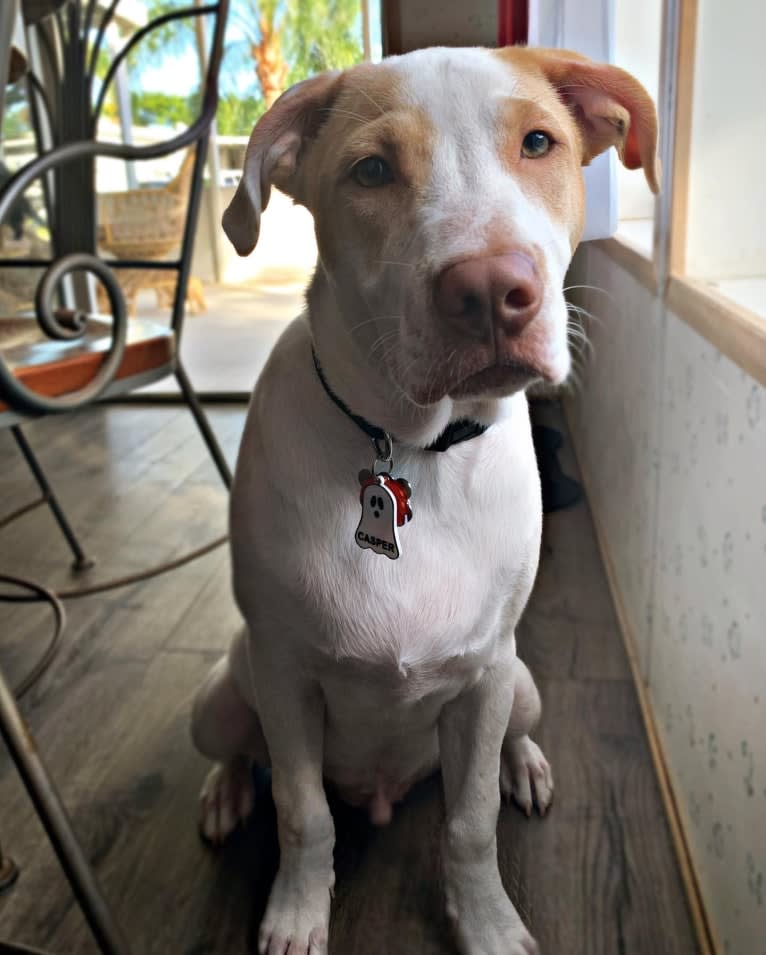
(596, 877)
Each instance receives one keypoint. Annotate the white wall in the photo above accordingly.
(637, 32)
(673, 436)
(286, 243)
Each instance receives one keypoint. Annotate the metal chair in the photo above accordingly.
(64, 357)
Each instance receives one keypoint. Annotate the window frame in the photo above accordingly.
(736, 331)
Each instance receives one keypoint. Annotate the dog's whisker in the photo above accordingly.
(359, 89)
(394, 316)
(382, 340)
(583, 313)
(367, 321)
(575, 326)
(593, 288)
(573, 383)
(343, 112)
(577, 338)
(406, 265)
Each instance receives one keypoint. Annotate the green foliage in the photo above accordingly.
(151, 108)
(16, 119)
(316, 35)
(321, 35)
(238, 114)
(170, 39)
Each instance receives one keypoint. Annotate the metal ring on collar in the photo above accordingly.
(384, 448)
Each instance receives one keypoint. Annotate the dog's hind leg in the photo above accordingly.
(525, 773)
(227, 730)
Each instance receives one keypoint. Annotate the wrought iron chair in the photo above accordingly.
(65, 357)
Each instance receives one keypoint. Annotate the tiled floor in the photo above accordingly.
(225, 347)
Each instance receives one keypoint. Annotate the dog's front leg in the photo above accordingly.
(298, 912)
(471, 731)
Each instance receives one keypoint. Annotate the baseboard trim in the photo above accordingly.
(706, 937)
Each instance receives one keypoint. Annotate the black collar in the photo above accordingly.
(454, 433)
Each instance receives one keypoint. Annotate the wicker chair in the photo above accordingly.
(149, 224)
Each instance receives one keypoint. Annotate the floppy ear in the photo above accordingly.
(611, 108)
(273, 154)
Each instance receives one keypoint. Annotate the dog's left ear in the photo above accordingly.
(611, 108)
(273, 154)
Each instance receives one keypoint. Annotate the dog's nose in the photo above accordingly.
(502, 291)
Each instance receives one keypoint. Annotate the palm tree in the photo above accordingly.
(284, 41)
(290, 40)
(271, 68)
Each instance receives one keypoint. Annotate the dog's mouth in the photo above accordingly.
(496, 378)
(490, 379)
(495, 366)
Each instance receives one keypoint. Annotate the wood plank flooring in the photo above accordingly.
(596, 877)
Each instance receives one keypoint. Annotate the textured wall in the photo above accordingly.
(615, 415)
(673, 436)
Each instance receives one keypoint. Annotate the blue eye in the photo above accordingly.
(536, 144)
(372, 171)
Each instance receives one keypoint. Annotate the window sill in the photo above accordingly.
(749, 293)
(734, 329)
(638, 233)
(731, 321)
(632, 259)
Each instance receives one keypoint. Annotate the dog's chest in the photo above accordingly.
(467, 558)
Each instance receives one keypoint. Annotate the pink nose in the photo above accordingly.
(501, 291)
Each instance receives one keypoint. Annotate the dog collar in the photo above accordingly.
(455, 433)
(386, 500)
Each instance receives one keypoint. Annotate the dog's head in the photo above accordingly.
(448, 199)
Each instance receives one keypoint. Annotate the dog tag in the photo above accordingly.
(385, 508)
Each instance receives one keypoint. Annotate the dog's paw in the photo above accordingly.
(499, 939)
(486, 922)
(518, 942)
(525, 775)
(226, 800)
(297, 917)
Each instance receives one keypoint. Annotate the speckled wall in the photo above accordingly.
(673, 435)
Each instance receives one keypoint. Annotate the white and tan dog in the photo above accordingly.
(448, 198)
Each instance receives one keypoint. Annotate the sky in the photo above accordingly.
(179, 72)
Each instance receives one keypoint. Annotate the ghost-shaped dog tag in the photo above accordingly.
(377, 528)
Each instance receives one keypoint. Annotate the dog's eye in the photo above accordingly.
(372, 171)
(535, 144)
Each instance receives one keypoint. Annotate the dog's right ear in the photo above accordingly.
(273, 154)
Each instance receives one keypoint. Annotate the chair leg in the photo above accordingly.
(190, 396)
(81, 560)
(53, 815)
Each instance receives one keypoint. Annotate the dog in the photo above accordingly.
(385, 516)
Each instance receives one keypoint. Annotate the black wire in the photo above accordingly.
(24, 509)
(37, 593)
(46, 658)
(75, 593)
